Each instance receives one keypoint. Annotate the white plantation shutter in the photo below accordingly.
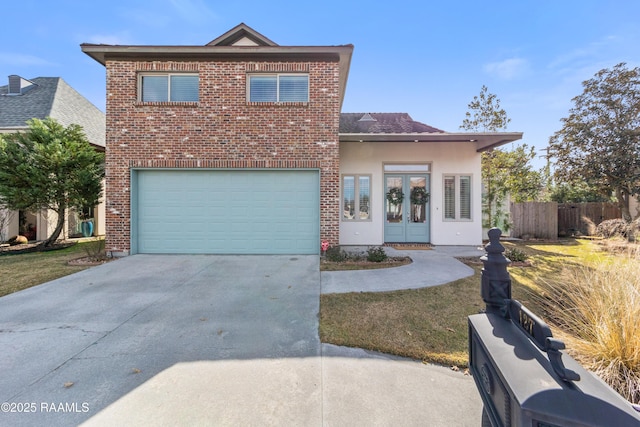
(450, 197)
(465, 197)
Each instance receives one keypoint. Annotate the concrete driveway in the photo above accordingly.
(204, 340)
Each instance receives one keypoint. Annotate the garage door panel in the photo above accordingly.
(187, 211)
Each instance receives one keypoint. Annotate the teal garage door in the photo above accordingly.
(226, 212)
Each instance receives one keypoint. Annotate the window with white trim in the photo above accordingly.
(167, 87)
(278, 88)
(457, 197)
(356, 197)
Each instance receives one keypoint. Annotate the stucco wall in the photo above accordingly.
(443, 158)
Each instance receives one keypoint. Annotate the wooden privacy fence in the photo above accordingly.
(582, 218)
(534, 219)
(548, 220)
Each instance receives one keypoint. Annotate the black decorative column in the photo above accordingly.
(496, 282)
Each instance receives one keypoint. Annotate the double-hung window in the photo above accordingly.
(278, 88)
(169, 87)
(356, 197)
(457, 197)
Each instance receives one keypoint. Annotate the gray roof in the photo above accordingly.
(393, 123)
(51, 97)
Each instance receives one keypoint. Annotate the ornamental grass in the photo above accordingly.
(599, 307)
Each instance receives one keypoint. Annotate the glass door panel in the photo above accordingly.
(407, 208)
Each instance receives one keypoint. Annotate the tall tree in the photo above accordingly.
(50, 167)
(485, 114)
(503, 172)
(599, 142)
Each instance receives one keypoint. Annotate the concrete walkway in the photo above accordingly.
(429, 268)
(205, 340)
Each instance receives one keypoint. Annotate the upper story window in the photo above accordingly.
(278, 88)
(158, 87)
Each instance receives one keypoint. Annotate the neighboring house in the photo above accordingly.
(238, 146)
(39, 98)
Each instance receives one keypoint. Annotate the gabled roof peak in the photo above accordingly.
(367, 118)
(241, 35)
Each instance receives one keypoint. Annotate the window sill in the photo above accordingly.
(278, 104)
(186, 104)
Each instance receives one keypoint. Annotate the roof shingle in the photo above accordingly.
(392, 123)
(52, 97)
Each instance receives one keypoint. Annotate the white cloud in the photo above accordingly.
(20, 59)
(508, 69)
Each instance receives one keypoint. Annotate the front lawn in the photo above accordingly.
(22, 271)
(430, 324)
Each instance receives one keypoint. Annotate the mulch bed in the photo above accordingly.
(33, 247)
(410, 246)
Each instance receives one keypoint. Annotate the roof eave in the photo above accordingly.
(483, 141)
(102, 53)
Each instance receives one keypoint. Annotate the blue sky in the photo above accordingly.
(428, 59)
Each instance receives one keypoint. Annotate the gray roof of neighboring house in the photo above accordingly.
(51, 97)
(393, 123)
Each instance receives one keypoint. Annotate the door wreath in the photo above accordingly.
(395, 196)
(419, 196)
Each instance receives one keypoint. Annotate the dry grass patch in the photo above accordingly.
(22, 271)
(429, 324)
(599, 307)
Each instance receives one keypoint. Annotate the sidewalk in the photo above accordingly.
(429, 268)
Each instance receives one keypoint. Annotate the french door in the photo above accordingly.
(406, 208)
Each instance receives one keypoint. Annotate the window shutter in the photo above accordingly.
(465, 197)
(294, 88)
(450, 197)
(184, 88)
(263, 89)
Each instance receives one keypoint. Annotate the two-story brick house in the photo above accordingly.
(236, 147)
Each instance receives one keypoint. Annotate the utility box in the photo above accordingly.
(522, 375)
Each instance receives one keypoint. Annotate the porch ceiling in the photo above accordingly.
(483, 141)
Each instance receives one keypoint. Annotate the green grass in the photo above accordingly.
(431, 323)
(22, 271)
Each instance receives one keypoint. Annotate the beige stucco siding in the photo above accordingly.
(443, 158)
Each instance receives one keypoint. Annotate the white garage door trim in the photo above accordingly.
(285, 204)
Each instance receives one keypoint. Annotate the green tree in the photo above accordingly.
(485, 114)
(503, 172)
(50, 167)
(576, 192)
(599, 142)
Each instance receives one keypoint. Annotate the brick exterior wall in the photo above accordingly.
(222, 130)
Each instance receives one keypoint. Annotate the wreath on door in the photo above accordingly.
(395, 196)
(419, 196)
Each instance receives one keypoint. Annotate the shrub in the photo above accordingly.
(376, 254)
(600, 307)
(94, 249)
(613, 228)
(515, 255)
(336, 254)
